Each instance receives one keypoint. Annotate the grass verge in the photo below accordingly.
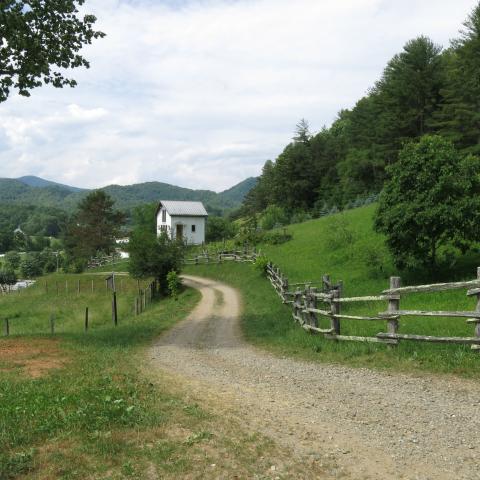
(85, 404)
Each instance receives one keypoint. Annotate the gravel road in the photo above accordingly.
(362, 424)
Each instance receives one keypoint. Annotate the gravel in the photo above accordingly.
(361, 423)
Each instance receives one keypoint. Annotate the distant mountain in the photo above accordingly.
(237, 193)
(32, 190)
(33, 181)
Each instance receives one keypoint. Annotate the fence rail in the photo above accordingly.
(311, 301)
(207, 258)
(309, 305)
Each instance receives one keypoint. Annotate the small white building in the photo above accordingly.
(182, 220)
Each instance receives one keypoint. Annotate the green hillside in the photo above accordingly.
(346, 247)
(39, 192)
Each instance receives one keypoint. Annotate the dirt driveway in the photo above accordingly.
(362, 424)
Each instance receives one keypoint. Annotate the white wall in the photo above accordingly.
(168, 222)
(192, 238)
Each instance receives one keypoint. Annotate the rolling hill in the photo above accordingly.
(31, 190)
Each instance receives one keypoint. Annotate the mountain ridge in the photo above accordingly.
(32, 190)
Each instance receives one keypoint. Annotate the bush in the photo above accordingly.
(13, 259)
(273, 216)
(338, 234)
(154, 257)
(276, 237)
(260, 264)
(300, 217)
(219, 228)
(173, 283)
(31, 266)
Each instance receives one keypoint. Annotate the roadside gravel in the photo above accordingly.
(356, 423)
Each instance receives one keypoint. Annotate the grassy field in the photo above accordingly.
(345, 247)
(81, 405)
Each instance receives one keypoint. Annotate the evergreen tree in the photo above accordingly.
(459, 118)
(409, 94)
(94, 227)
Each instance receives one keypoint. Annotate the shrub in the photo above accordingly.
(31, 266)
(276, 237)
(173, 283)
(13, 259)
(273, 216)
(300, 217)
(338, 234)
(260, 264)
(219, 228)
(154, 257)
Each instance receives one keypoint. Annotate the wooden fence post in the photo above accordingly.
(66, 287)
(477, 309)
(7, 327)
(304, 316)
(46, 287)
(86, 319)
(312, 303)
(52, 323)
(285, 289)
(144, 297)
(326, 283)
(335, 310)
(296, 301)
(393, 306)
(114, 309)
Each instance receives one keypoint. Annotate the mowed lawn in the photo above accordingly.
(345, 247)
(86, 405)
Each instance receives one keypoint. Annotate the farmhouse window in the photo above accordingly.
(164, 215)
(193, 228)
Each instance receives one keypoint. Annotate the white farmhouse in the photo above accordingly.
(185, 220)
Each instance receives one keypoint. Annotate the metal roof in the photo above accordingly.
(191, 209)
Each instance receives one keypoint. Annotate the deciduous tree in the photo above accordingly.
(40, 39)
(431, 199)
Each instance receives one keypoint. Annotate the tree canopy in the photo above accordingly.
(94, 227)
(431, 199)
(39, 40)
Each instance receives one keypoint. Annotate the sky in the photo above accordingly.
(200, 93)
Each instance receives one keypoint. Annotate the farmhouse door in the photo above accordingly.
(179, 233)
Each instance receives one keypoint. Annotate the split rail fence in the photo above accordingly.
(208, 258)
(312, 301)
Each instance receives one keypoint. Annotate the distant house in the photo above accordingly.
(182, 220)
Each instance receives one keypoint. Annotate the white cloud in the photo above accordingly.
(201, 93)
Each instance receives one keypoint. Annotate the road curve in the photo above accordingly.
(362, 424)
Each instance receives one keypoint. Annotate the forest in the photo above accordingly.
(424, 90)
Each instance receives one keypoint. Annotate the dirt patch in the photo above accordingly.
(33, 358)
